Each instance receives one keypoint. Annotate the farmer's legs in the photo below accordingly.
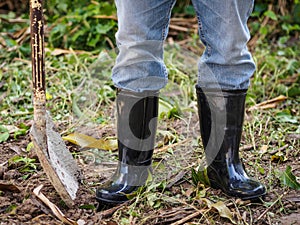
(224, 73)
(139, 73)
(143, 26)
(226, 62)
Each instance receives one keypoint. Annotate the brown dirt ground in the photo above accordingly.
(18, 204)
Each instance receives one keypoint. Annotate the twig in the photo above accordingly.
(109, 212)
(175, 19)
(246, 147)
(179, 28)
(165, 148)
(174, 212)
(178, 177)
(185, 219)
(105, 17)
(268, 209)
(3, 164)
(279, 149)
(56, 211)
(111, 44)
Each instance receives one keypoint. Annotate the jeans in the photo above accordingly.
(143, 27)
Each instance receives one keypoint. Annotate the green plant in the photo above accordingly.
(4, 134)
(81, 25)
(23, 164)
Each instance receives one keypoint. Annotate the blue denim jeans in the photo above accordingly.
(143, 27)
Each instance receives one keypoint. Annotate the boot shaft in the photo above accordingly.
(221, 115)
(136, 126)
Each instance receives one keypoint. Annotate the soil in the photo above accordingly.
(18, 204)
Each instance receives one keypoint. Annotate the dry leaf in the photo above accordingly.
(56, 211)
(86, 141)
(221, 207)
(263, 149)
(272, 103)
(9, 187)
(223, 211)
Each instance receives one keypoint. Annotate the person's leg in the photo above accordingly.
(143, 27)
(139, 74)
(226, 62)
(224, 73)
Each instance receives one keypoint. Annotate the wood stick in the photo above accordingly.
(187, 218)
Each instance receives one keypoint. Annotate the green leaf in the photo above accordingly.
(287, 178)
(263, 30)
(271, 15)
(4, 137)
(166, 109)
(286, 117)
(29, 146)
(4, 133)
(294, 91)
(3, 129)
(200, 176)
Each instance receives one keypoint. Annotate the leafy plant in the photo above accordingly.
(287, 178)
(81, 25)
(4, 134)
(200, 176)
(23, 164)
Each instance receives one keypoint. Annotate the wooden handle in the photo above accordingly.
(38, 62)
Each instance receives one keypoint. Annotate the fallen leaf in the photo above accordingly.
(86, 141)
(272, 103)
(263, 149)
(278, 157)
(223, 211)
(9, 187)
(56, 211)
(220, 207)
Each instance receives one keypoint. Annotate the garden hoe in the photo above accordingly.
(51, 150)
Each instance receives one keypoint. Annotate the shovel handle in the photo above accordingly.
(38, 61)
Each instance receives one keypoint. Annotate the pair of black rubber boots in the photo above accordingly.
(221, 115)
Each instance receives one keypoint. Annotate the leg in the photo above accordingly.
(224, 72)
(143, 27)
(226, 62)
(139, 73)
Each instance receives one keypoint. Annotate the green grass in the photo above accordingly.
(81, 94)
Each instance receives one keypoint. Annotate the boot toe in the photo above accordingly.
(111, 194)
(247, 190)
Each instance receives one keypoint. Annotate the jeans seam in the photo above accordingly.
(164, 31)
(202, 36)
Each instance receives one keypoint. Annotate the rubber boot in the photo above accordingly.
(136, 127)
(221, 115)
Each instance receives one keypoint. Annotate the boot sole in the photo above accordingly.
(109, 202)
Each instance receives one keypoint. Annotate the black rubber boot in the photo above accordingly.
(136, 125)
(221, 115)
